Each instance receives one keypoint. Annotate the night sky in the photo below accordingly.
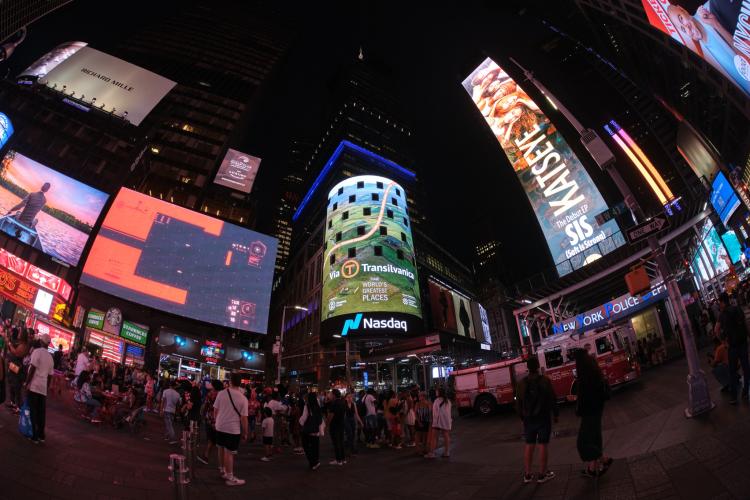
(430, 51)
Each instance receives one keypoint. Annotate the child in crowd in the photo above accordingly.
(267, 428)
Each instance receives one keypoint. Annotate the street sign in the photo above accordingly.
(649, 228)
(612, 212)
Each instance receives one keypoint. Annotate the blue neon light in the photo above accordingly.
(335, 156)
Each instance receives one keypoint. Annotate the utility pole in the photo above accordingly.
(699, 399)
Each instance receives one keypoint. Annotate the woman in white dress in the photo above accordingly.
(442, 421)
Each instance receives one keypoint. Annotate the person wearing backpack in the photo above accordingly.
(537, 406)
(732, 326)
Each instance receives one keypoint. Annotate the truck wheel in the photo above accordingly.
(485, 405)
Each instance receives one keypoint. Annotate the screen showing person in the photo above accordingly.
(46, 209)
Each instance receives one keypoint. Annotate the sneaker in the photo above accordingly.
(411, 445)
(35, 441)
(527, 478)
(335, 462)
(343, 462)
(397, 447)
(589, 473)
(298, 450)
(174, 442)
(543, 478)
(41, 441)
(316, 466)
(234, 481)
(202, 460)
(265, 459)
(98, 421)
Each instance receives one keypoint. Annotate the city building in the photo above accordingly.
(18, 14)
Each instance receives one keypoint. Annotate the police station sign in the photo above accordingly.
(621, 307)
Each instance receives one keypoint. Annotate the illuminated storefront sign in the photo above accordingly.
(370, 285)
(563, 196)
(95, 319)
(134, 332)
(621, 307)
(30, 286)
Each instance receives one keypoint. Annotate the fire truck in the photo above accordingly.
(484, 388)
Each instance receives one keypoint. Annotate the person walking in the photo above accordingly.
(351, 421)
(592, 392)
(230, 412)
(442, 422)
(371, 418)
(170, 401)
(312, 428)
(731, 324)
(209, 419)
(336, 421)
(38, 380)
(266, 426)
(537, 406)
(422, 423)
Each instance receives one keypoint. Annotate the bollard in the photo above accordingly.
(187, 450)
(179, 476)
(194, 438)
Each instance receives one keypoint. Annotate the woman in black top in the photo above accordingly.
(593, 391)
(310, 421)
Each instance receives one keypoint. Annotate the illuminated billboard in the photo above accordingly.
(561, 193)
(46, 209)
(172, 259)
(237, 171)
(717, 31)
(482, 322)
(51, 59)
(723, 198)
(370, 285)
(6, 129)
(108, 83)
(711, 258)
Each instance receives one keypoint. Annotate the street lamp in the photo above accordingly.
(281, 340)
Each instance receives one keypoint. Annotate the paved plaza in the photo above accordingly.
(659, 455)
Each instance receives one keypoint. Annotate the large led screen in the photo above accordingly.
(183, 262)
(51, 59)
(109, 84)
(46, 209)
(370, 285)
(733, 246)
(6, 129)
(723, 198)
(563, 196)
(717, 31)
(238, 171)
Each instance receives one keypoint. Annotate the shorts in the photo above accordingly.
(228, 441)
(537, 431)
(211, 434)
(268, 440)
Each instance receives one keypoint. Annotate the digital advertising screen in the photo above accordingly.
(717, 31)
(245, 359)
(212, 351)
(6, 129)
(724, 199)
(560, 191)
(51, 59)
(171, 342)
(58, 336)
(482, 323)
(711, 258)
(733, 246)
(237, 171)
(108, 83)
(179, 261)
(45, 209)
(442, 307)
(370, 285)
(464, 321)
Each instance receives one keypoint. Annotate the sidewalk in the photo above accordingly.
(659, 455)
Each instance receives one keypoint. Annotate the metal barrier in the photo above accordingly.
(194, 439)
(179, 476)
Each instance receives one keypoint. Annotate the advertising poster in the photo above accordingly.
(734, 248)
(238, 171)
(51, 59)
(46, 209)
(717, 31)
(109, 83)
(723, 198)
(462, 307)
(183, 262)
(369, 266)
(560, 191)
(443, 311)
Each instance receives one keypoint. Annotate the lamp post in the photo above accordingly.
(281, 340)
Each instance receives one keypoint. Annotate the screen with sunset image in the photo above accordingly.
(46, 209)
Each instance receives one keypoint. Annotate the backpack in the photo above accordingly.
(533, 398)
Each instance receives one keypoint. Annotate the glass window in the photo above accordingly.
(406, 222)
(352, 253)
(553, 358)
(330, 224)
(603, 345)
(383, 231)
(351, 198)
(360, 230)
(360, 185)
(375, 197)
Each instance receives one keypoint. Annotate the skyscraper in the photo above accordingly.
(17, 14)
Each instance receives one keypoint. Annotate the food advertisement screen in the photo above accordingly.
(176, 260)
(560, 191)
(369, 267)
(46, 209)
(716, 30)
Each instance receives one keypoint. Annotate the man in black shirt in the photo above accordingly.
(336, 413)
(734, 330)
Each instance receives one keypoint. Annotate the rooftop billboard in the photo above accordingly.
(237, 171)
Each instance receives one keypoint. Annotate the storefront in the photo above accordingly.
(29, 293)
(183, 356)
(116, 340)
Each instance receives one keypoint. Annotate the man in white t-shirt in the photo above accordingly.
(82, 362)
(230, 413)
(371, 418)
(37, 382)
(170, 401)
